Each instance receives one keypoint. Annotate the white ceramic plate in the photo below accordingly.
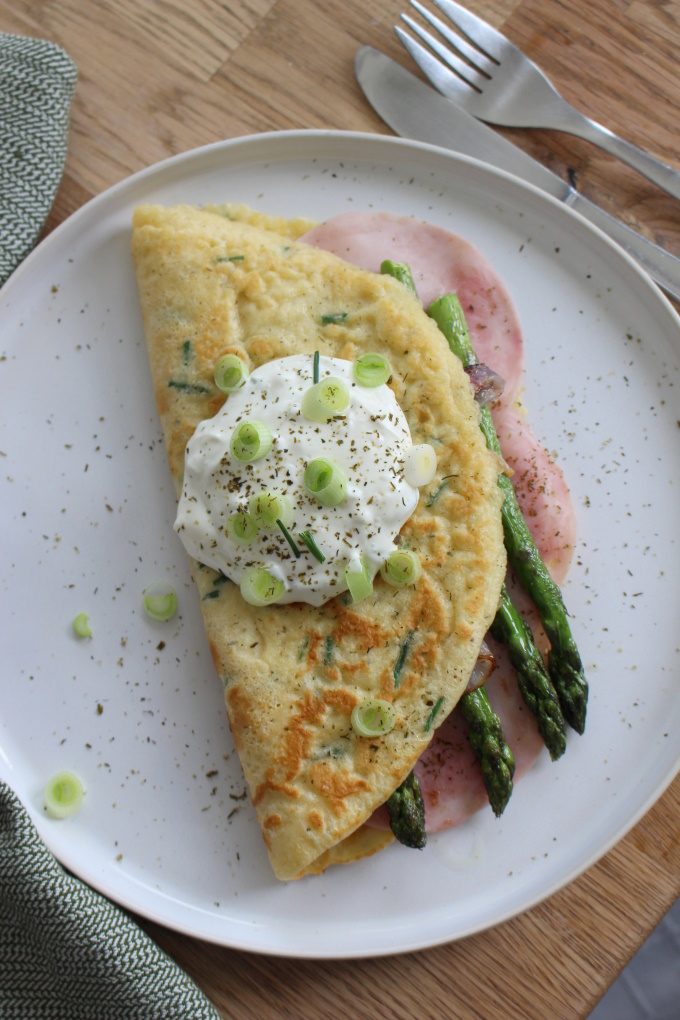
(137, 711)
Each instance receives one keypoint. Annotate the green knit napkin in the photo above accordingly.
(37, 81)
(66, 952)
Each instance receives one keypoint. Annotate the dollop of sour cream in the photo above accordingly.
(369, 440)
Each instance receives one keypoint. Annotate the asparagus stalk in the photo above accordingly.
(532, 676)
(485, 729)
(486, 737)
(564, 661)
(407, 813)
(400, 271)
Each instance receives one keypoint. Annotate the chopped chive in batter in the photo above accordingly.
(303, 648)
(433, 713)
(333, 317)
(186, 351)
(178, 384)
(403, 652)
(328, 651)
(431, 499)
(230, 258)
(222, 579)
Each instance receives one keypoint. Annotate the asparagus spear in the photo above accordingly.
(407, 813)
(400, 271)
(485, 730)
(532, 677)
(488, 742)
(564, 661)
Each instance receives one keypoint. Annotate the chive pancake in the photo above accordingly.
(231, 281)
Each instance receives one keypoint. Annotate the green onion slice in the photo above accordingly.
(325, 399)
(242, 528)
(160, 601)
(326, 481)
(307, 538)
(260, 588)
(420, 465)
(359, 581)
(230, 373)
(63, 794)
(266, 508)
(373, 717)
(81, 625)
(251, 440)
(372, 370)
(315, 367)
(401, 567)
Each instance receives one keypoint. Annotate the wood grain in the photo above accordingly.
(157, 78)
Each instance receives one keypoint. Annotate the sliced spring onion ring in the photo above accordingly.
(260, 588)
(372, 370)
(325, 399)
(242, 528)
(289, 538)
(307, 538)
(401, 567)
(359, 581)
(266, 508)
(326, 481)
(251, 440)
(63, 794)
(230, 373)
(160, 601)
(81, 625)
(420, 465)
(373, 717)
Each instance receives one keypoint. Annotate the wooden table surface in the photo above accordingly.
(159, 78)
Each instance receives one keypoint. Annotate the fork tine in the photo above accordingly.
(477, 58)
(469, 74)
(479, 32)
(445, 81)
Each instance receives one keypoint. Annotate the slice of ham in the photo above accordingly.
(448, 772)
(541, 490)
(441, 263)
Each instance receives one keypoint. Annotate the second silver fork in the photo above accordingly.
(495, 82)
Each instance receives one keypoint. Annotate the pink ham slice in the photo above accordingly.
(541, 490)
(441, 263)
(448, 772)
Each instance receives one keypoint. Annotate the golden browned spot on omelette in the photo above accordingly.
(213, 282)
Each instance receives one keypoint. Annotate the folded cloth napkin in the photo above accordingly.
(37, 81)
(66, 952)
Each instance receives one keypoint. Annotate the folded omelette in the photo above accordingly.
(230, 281)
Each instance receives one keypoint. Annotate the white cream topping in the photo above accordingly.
(369, 441)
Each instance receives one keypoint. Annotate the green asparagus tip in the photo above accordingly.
(487, 740)
(401, 272)
(407, 813)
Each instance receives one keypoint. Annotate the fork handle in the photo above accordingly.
(653, 169)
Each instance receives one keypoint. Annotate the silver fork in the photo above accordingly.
(495, 82)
